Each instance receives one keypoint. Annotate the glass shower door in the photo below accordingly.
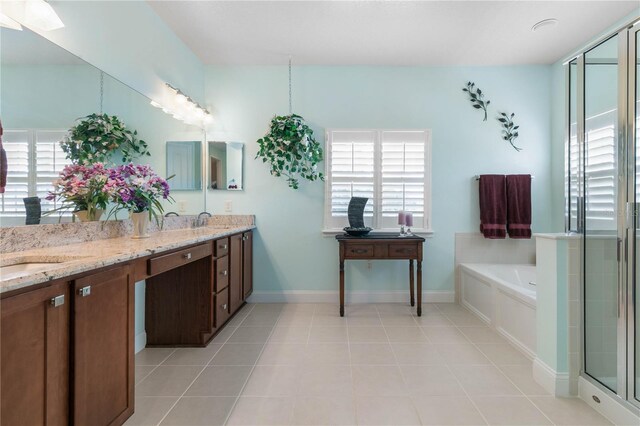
(604, 194)
(634, 294)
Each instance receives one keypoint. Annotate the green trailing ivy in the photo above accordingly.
(477, 98)
(509, 129)
(291, 150)
(97, 137)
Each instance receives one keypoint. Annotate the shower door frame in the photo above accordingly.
(627, 207)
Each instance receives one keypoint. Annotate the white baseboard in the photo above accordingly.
(608, 406)
(553, 382)
(140, 341)
(308, 296)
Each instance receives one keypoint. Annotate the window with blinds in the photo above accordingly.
(599, 172)
(34, 159)
(390, 167)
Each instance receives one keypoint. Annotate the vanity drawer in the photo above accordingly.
(221, 274)
(403, 251)
(166, 262)
(222, 247)
(222, 307)
(359, 251)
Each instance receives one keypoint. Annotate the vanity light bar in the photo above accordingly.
(183, 108)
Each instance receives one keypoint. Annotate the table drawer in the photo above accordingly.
(221, 274)
(359, 251)
(222, 307)
(222, 247)
(166, 262)
(403, 251)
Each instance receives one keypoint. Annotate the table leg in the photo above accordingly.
(341, 289)
(411, 281)
(419, 273)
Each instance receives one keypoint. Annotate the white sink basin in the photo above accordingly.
(19, 267)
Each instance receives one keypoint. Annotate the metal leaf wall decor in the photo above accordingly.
(509, 129)
(477, 98)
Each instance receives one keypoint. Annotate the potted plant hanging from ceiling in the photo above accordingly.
(290, 148)
(98, 137)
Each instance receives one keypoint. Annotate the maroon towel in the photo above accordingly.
(519, 206)
(493, 206)
(3, 163)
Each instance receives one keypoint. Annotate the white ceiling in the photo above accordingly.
(387, 32)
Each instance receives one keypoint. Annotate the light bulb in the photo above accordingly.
(7, 22)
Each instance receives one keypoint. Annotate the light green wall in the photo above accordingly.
(291, 252)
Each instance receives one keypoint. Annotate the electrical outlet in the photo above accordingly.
(228, 206)
(182, 206)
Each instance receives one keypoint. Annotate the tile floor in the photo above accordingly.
(301, 364)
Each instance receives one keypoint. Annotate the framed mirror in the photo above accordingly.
(225, 163)
(183, 163)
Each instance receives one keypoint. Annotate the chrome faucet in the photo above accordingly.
(171, 214)
(200, 221)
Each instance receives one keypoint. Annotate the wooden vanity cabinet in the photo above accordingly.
(103, 347)
(247, 264)
(236, 297)
(34, 357)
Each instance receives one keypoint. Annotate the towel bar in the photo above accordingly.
(477, 177)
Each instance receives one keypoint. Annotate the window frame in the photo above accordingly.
(328, 229)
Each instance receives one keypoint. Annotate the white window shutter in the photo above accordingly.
(390, 167)
(49, 162)
(17, 145)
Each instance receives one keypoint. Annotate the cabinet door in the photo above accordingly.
(103, 376)
(235, 272)
(34, 357)
(247, 264)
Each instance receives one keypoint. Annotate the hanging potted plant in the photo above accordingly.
(139, 190)
(291, 150)
(97, 137)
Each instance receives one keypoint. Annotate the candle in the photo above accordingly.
(409, 219)
(401, 218)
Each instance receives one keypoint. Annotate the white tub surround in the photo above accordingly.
(504, 296)
(557, 363)
(474, 248)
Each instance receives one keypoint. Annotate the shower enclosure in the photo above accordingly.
(603, 193)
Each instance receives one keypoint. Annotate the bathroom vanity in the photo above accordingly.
(67, 333)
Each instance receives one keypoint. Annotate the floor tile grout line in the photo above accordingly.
(155, 367)
(198, 375)
(413, 404)
(460, 383)
(235, 403)
(495, 365)
(187, 388)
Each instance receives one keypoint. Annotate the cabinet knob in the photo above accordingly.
(85, 291)
(224, 306)
(224, 247)
(225, 272)
(187, 256)
(244, 238)
(57, 301)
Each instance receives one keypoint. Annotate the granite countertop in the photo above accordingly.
(66, 260)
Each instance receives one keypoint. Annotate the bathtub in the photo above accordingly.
(503, 296)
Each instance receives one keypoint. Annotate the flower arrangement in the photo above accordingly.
(137, 188)
(291, 149)
(96, 137)
(81, 187)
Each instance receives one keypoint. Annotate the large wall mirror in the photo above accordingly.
(225, 162)
(44, 90)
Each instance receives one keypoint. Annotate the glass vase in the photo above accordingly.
(140, 223)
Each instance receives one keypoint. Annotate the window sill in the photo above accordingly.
(421, 232)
